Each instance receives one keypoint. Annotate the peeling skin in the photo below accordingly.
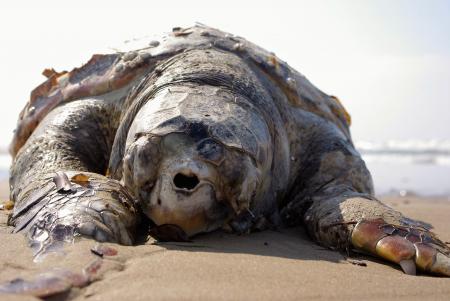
(199, 130)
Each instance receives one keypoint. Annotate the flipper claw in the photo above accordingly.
(410, 247)
(408, 266)
(441, 265)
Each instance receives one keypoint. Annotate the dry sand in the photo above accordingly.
(284, 265)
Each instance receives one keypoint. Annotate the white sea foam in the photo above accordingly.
(406, 151)
(5, 161)
(413, 165)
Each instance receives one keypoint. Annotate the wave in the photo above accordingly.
(406, 151)
(5, 162)
(412, 151)
(396, 166)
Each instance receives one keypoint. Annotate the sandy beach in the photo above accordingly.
(283, 265)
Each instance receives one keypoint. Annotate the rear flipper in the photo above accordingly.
(336, 203)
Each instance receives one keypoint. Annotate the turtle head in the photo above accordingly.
(196, 157)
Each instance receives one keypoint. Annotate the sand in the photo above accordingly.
(270, 265)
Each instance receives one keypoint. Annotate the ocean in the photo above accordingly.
(398, 167)
(5, 161)
(403, 167)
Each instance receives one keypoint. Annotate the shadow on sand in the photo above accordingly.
(291, 243)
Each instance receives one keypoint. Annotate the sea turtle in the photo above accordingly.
(195, 131)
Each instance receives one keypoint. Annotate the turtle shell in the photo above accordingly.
(104, 73)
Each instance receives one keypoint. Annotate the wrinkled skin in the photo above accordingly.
(201, 131)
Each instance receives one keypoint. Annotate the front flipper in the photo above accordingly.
(57, 180)
(333, 197)
(74, 204)
(407, 245)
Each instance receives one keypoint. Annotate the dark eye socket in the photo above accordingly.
(148, 186)
(210, 150)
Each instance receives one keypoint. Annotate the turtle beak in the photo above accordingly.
(185, 195)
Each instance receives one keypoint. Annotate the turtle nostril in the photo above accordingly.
(185, 182)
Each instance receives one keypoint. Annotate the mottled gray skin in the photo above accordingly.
(266, 146)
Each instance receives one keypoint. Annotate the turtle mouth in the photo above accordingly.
(185, 182)
(187, 201)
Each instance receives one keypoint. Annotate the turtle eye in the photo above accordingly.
(148, 186)
(145, 191)
(210, 150)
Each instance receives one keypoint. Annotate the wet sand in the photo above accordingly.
(270, 265)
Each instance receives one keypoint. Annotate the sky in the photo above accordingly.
(388, 61)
